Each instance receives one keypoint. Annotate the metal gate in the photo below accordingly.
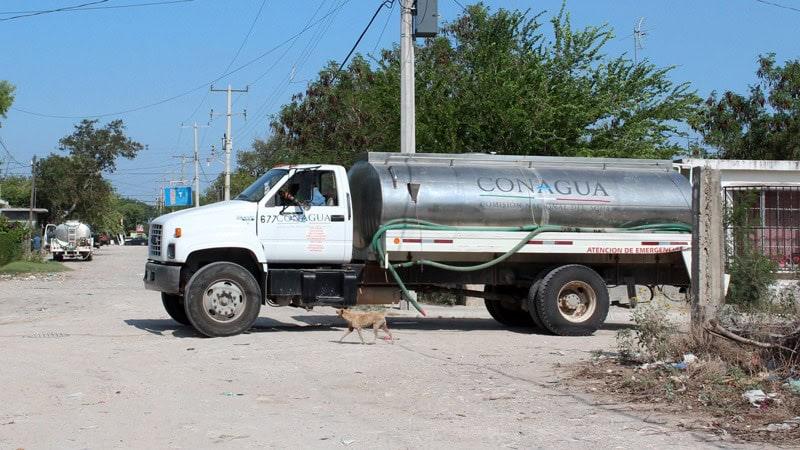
(765, 219)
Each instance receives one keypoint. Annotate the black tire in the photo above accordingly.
(533, 308)
(224, 282)
(580, 283)
(503, 314)
(58, 257)
(173, 304)
(88, 257)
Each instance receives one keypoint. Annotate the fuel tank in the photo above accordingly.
(506, 190)
(73, 231)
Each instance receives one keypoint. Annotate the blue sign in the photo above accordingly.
(178, 196)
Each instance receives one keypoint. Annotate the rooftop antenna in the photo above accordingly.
(638, 39)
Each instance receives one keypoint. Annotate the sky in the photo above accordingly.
(152, 66)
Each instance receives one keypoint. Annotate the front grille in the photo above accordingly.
(155, 240)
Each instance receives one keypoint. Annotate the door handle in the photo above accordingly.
(337, 218)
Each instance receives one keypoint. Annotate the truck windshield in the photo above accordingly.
(256, 191)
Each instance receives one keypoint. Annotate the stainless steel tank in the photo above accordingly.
(73, 231)
(502, 190)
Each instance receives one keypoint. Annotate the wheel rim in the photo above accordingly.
(577, 301)
(223, 301)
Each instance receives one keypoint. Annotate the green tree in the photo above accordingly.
(133, 212)
(494, 82)
(6, 97)
(73, 186)
(765, 124)
(16, 190)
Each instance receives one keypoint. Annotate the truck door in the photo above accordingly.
(310, 224)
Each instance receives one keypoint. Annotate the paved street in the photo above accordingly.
(91, 360)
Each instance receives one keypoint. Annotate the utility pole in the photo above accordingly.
(638, 39)
(407, 103)
(182, 179)
(33, 192)
(228, 136)
(196, 164)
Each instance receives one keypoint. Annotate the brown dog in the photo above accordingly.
(357, 320)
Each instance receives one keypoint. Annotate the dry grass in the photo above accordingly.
(708, 390)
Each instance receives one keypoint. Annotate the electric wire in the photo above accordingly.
(385, 24)
(89, 8)
(361, 36)
(463, 8)
(48, 11)
(189, 91)
(262, 111)
(778, 5)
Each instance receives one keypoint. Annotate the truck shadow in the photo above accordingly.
(421, 323)
(310, 323)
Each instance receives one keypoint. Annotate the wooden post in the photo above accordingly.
(708, 256)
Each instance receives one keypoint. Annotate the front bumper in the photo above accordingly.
(162, 278)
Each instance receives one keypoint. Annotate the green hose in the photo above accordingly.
(533, 230)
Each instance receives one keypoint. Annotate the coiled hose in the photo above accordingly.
(533, 230)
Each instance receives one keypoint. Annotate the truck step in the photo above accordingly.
(326, 300)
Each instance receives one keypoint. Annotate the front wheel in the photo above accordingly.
(572, 301)
(222, 299)
(173, 304)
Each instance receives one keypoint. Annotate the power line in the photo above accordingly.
(305, 54)
(14, 160)
(48, 11)
(89, 8)
(233, 60)
(463, 8)
(361, 36)
(778, 5)
(385, 24)
(192, 90)
(247, 36)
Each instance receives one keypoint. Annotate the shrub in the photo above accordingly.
(651, 339)
(752, 273)
(11, 237)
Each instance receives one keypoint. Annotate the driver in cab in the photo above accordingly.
(288, 194)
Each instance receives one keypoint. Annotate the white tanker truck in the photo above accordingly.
(70, 240)
(545, 235)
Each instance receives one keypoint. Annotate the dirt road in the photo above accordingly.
(90, 360)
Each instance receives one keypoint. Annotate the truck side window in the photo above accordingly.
(311, 187)
(327, 186)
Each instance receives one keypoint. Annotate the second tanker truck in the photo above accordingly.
(70, 240)
(544, 235)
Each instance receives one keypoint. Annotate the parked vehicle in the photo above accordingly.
(70, 240)
(136, 241)
(101, 239)
(545, 235)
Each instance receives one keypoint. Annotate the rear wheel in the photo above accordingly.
(506, 313)
(533, 308)
(222, 299)
(572, 301)
(173, 304)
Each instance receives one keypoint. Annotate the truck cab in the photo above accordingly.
(285, 240)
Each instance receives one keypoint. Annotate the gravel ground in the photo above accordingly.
(91, 360)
